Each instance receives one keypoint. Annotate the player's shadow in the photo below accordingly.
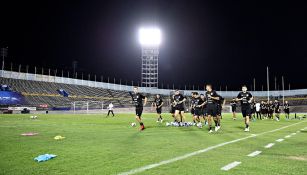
(240, 127)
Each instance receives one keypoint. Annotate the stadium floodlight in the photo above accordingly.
(150, 39)
(150, 36)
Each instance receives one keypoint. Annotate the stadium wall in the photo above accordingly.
(119, 87)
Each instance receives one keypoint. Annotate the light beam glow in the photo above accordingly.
(150, 36)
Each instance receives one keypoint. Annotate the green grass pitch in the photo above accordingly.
(95, 144)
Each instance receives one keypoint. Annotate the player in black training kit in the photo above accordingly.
(204, 109)
(287, 110)
(158, 103)
(191, 105)
(197, 105)
(138, 98)
(211, 102)
(220, 104)
(270, 110)
(262, 109)
(246, 99)
(277, 109)
(233, 105)
(179, 100)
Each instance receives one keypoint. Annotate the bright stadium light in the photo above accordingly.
(150, 36)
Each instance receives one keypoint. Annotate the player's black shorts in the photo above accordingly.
(246, 111)
(172, 110)
(287, 111)
(192, 111)
(159, 110)
(233, 109)
(179, 107)
(219, 111)
(205, 111)
(138, 111)
(197, 112)
(263, 111)
(212, 109)
(277, 111)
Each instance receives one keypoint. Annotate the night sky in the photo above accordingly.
(219, 42)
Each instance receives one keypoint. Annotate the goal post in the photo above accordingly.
(87, 106)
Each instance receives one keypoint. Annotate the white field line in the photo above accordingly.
(293, 134)
(298, 131)
(269, 145)
(288, 136)
(279, 140)
(230, 166)
(185, 156)
(255, 153)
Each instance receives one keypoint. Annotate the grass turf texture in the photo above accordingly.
(98, 145)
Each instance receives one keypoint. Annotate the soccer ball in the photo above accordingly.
(133, 124)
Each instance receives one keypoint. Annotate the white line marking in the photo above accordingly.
(164, 162)
(302, 129)
(231, 165)
(279, 140)
(288, 136)
(269, 145)
(255, 153)
(293, 134)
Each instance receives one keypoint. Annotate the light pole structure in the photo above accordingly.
(150, 39)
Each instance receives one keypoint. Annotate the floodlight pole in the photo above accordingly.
(150, 59)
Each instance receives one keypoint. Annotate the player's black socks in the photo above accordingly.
(210, 128)
(247, 125)
(141, 123)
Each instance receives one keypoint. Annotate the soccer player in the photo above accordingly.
(220, 104)
(287, 110)
(110, 107)
(270, 110)
(179, 100)
(172, 107)
(277, 109)
(138, 99)
(233, 105)
(158, 103)
(192, 105)
(211, 102)
(253, 107)
(204, 110)
(246, 99)
(198, 103)
(263, 109)
(258, 110)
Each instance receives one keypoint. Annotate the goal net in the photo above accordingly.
(87, 106)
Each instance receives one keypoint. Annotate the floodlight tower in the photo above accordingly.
(150, 39)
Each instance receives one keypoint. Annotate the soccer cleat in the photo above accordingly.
(161, 120)
(210, 131)
(246, 129)
(216, 128)
(157, 121)
(142, 128)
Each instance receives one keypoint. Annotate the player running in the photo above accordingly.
(158, 103)
(246, 99)
(233, 105)
(270, 110)
(197, 105)
(179, 100)
(211, 102)
(220, 104)
(277, 109)
(138, 98)
(287, 110)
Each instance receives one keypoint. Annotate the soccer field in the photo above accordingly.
(95, 144)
